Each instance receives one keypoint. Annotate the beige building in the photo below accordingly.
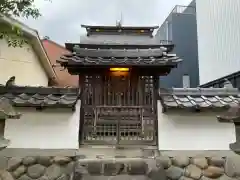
(29, 64)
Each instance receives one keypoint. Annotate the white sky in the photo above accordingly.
(61, 19)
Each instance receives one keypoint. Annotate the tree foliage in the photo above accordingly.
(16, 9)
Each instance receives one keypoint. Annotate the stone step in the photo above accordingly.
(92, 152)
(116, 168)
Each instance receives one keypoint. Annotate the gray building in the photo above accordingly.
(234, 78)
(180, 27)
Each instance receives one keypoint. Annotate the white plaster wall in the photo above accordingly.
(22, 63)
(49, 129)
(58, 129)
(193, 131)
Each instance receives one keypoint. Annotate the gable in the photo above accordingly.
(16, 60)
(36, 45)
(54, 52)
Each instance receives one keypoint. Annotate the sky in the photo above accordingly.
(61, 19)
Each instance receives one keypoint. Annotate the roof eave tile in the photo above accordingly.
(40, 97)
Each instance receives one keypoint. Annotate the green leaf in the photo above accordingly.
(16, 8)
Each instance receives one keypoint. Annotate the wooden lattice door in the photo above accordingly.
(119, 110)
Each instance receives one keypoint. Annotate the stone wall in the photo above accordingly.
(158, 168)
(204, 168)
(41, 168)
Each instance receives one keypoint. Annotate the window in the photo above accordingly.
(167, 30)
(186, 81)
(238, 82)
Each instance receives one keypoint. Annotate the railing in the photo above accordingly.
(165, 30)
(184, 9)
(166, 42)
(115, 125)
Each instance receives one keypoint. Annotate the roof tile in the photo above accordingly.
(4, 143)
(40, 96)
(199, 98)
(6, 110)
(132, 57)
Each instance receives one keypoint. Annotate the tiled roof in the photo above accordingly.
(232, 115)
(199, 98)
(163, 43)
(122, 27)
(40, 97)
(131, 57)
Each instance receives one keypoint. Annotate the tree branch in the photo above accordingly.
(16, 8)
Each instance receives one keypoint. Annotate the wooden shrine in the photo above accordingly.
(119, 69)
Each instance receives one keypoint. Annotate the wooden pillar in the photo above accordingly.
(81, 115)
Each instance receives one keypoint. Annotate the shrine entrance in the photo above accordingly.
(118, 68)
(119, 109)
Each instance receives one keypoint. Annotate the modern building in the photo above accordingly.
(218, 27)
(234, 78)
(208, 32)
(180, 27)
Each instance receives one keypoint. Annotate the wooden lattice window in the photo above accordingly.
(118, 110)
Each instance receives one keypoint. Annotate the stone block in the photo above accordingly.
(216, 161)
(44, 160)
(113, 169)
(193, 171)
(163, 161)
(25, 177)
(201, 162)
(174, 173)
(95, 168)
(157, 174)
(63, 177)
(19, 171)
(35, 171)
(53, 172)
(5, 175)
(137, 168)
(213, 172)
(3, 162)
(232, 166)
(181, 161)
(185, 178)
(61, 160)
(27, 161)
(13, 163)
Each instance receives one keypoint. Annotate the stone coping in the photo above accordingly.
(110, 152)
(191, 153)
(21, 152)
